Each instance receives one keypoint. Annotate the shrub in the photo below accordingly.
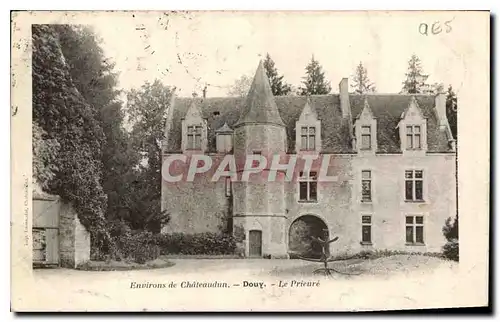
(139, 247)
(450, 232)
(196, 244)
(450, 250)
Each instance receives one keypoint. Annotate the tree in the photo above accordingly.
(147, 110)
(314, 83)
(361, 82)
(451, 110)
(415, 78)
(278, 86)
(64, 115)
(240, 87)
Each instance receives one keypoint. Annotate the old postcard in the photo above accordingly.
(250, 161)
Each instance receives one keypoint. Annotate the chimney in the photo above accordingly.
(345, 105)
(440, 103)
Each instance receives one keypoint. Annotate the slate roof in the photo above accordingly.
(388, 108)
(334, 129)
(260, 106)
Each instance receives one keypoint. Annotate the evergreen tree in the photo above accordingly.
(278, 86)
(314, 83)
(415, 82)
(361, 82)
(451, 110)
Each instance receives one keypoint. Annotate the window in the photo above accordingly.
(366, 229)
(366, 137)
(413, 137)
(414, 182)
(194, 137)
(229, 191)
(224, 142)
(308, 138)
(414, 229)
(308, 186)
(366, 186)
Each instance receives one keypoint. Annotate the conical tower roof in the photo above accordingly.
(260, 106)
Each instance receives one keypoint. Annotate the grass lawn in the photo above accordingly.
(160, 262)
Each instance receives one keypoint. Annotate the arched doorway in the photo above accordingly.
(300, 241)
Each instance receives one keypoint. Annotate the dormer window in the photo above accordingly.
(308, 138)
(366, 137)
(365, 129)
(413, 137)
(224, 139)
(194, 129)
(308, 129)
(194, 137)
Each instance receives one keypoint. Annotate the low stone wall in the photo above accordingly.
(74, 239)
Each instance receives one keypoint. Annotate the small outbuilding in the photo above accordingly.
(59, 239)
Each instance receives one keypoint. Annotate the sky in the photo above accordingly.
(189, 50)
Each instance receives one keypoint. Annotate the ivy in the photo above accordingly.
(65, 117)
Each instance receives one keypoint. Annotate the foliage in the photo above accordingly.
(139, 246)
(415, 78)
(451, 110)
(112, 265)
(240, 87)
(278, 86)
(196, 244)
(314, 83)
(147, 111)
(65, 116)
(361, 82)
(374, 254)
(44, 155)
(95, 79)
(450, 232)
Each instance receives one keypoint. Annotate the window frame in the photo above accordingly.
(308, 136)
(368, 135)
(411, 134)
(226, 138)
(310, 180)
(228, 187)
(413, 179)
(370, 181)
(364, 225)
(414, 225)
(196, 132)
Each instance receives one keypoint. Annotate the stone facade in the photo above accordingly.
(59, 237)
(74, 244)
(390, 137)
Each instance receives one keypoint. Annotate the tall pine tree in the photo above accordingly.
(278, 86)
(415, 82)
(314, 83)
(361, 83)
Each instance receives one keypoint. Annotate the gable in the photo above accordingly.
(388, 109)
(335, 131)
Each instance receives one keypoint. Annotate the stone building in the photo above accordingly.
(392, 156)
(59, 239)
